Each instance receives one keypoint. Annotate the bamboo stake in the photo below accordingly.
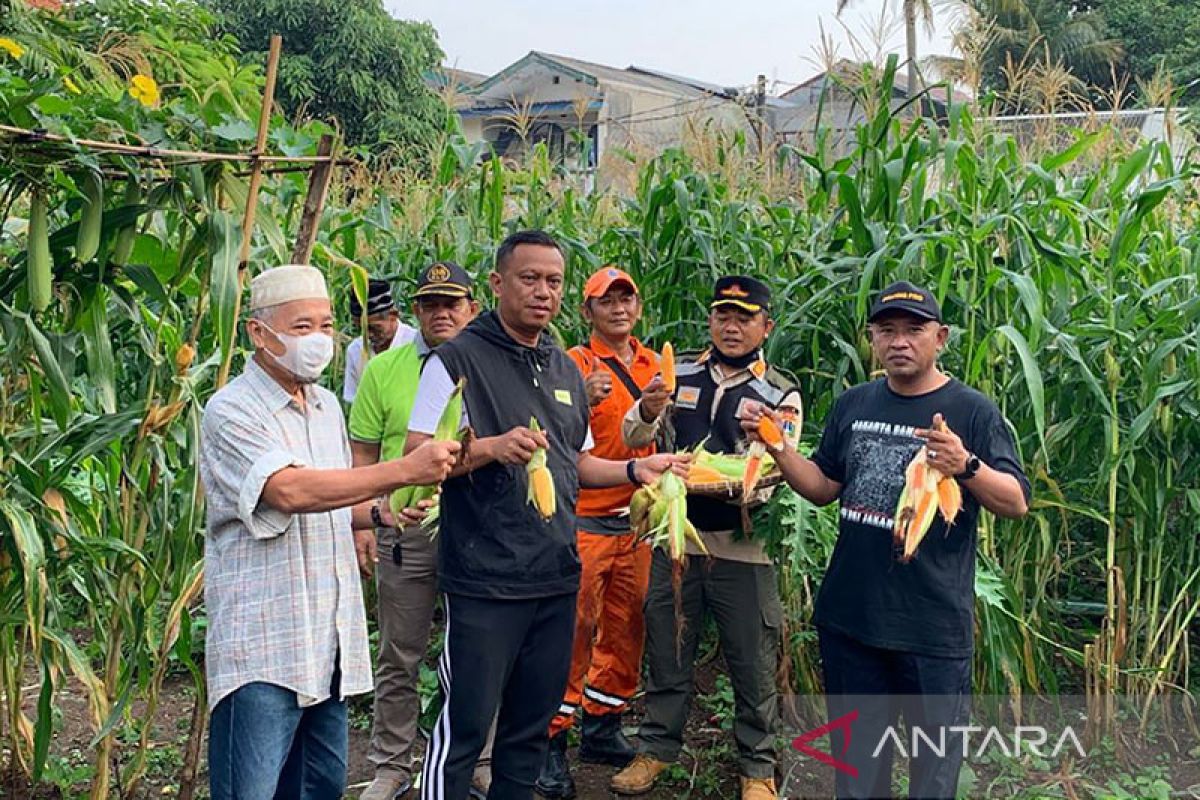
(314, 203)
(264, 123)
(260, 143)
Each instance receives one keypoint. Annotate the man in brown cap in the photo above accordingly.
(287, 634)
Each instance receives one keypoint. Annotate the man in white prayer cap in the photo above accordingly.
(287, 632)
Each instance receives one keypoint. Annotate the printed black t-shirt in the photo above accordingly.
(927, 605)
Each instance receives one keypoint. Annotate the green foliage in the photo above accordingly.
(349, 62)
(1029, 35)
(1157, 34)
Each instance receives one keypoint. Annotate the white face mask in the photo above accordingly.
(306, 357)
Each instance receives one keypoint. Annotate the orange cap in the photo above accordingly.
(603, 279)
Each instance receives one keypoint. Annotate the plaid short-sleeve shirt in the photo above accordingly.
(282, 591)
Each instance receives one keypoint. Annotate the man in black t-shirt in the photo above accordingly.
(890, 629)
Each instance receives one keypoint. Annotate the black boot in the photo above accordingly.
(556, 782)
(604, 742)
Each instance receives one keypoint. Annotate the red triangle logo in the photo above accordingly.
(800, 743)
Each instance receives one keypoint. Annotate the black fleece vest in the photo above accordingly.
(493, 543)
(694, 422)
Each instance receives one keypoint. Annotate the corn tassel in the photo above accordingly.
(541, 494)
(667, 368)
(927, 491)
(448, 430)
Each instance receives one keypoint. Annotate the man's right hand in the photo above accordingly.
(430, 463)
(367, 552)
(655, 398)
(518, 446)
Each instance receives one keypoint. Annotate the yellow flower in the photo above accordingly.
(72, 87)
(12, 48)
(143, 89)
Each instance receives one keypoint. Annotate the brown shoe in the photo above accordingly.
(758, 789)
(639, 776)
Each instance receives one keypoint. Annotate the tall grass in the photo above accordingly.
(1069, 277)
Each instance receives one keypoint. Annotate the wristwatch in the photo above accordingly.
(631, 472)
(376, 517)
(973, 465)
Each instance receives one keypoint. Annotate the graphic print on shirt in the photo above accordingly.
(879, 453)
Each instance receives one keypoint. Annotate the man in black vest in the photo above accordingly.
(889, 625)
(738, 586)
(509, 578)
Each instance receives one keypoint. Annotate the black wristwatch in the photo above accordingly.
(973, 465)
(376, 517)
(631, 471)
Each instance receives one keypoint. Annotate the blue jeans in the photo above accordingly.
(262, 745)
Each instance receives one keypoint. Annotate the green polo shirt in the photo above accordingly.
(385, 398)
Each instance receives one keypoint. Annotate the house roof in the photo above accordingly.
(592, 73)
(462, 79)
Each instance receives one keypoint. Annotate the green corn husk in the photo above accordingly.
(448, 430)
(431, 523)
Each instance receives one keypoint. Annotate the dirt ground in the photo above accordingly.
(706, 770)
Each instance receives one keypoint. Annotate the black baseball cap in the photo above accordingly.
(741, 291)
(903, 296)
(443, 279)
(379, 299)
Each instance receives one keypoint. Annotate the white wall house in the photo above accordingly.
(585, 111)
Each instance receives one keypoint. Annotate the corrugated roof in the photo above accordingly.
(638, 78)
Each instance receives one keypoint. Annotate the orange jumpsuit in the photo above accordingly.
(606, 658)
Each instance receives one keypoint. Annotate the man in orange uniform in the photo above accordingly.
(607, 656)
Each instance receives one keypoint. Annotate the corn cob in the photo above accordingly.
(541, 493)
(702, 473)
(667, 368)
(40, 268)
(927, 491)
(771, 437)
(87, 238)
(448, 429)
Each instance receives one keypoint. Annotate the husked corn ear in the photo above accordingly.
(541, 483)
(770, 432)
(702, 473)
(667, 367)
(927, 491)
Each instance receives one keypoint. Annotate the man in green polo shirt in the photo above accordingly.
(403, 562)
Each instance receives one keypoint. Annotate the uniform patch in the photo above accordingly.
(687, 397)
(740, 413)
(563, 396)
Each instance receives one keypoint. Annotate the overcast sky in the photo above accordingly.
(727, 42)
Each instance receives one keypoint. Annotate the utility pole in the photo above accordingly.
(760, 113)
